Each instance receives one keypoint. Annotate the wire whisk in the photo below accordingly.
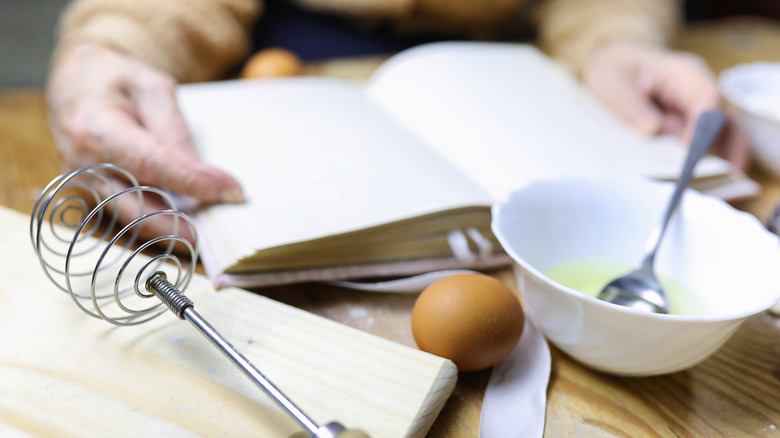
(109, 274)
(73, 230)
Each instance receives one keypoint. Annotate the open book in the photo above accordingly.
(396, 176)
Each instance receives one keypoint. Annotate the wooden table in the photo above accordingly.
(734, 393)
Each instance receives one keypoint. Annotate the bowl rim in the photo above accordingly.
(727, 80)
(500, 206)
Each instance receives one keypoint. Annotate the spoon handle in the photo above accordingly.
(708, 128)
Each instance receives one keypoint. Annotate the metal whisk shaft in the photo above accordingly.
(173, 298)
(184, 308)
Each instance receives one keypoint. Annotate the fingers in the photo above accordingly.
(682, 84)
(684, 87)
(674, 124)
(613, 75)
(733, 146)
(157, 110)
(186, 175)
(661, 91)
(106, 107)
(159, 165)
(174, 165)
(635, 108)
(130, 206)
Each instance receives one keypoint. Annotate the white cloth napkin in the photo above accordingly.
(515, 400)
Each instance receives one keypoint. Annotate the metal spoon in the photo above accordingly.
(640, 289)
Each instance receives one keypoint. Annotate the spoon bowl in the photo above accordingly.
(640, 289)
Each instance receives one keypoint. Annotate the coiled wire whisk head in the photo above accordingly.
(98, 257)
(74, 232)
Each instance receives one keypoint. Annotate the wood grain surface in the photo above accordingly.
(734, 393)
(166, 375)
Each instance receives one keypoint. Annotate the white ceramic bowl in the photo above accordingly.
(753, 90)
(724, 258)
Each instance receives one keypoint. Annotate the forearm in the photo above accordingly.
(572, 30)
(191, 40)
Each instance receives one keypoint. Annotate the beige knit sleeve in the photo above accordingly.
(194, 40)
(572, 29)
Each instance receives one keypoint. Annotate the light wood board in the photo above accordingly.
(63, 373)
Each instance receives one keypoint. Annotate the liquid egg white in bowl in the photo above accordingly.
(723, 260)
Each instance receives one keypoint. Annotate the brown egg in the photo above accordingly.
(272, 63)
(472, 319)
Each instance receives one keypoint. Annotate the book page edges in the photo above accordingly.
(387, 269)
(728, 187)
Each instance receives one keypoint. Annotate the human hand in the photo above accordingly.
(107, 107)
(659, 91)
